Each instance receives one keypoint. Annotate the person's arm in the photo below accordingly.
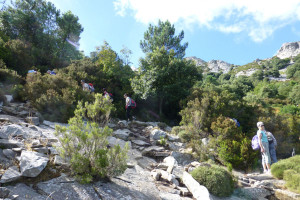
(259, 141)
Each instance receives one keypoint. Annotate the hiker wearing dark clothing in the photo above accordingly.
(272, 147)
(129, 105)
(51, 72)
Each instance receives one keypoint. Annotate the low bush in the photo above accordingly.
(216, 179)
(289, 170)
(292, 179)
(85, 144)
(278, 168)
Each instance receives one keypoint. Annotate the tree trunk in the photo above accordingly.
(160, 106)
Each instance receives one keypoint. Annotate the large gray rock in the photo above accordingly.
(122, 134)
(199, 191)
(11, 174)
(182, 158)
(33, 120)
(32, 163)
(10, 131)
(114, 141)
(25, 192)
(156, 134)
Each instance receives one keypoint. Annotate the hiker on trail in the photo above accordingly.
(32, 71)
(264, 147)
(128, 106)
(272, 147)
(85, 86)
(107, 94)
(51, 72)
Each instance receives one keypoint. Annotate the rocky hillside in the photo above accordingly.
(212, 66)
(287, 50)
(32, 169)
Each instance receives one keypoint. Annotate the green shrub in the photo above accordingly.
(292, 179)
(18, 92)
(278, 168)
(216, 179)
(85, 145)
(7, 75)
(289, 170)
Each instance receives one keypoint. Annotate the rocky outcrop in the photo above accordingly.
(289, 49)
(212, 66)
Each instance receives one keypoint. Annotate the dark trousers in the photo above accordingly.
(128, 110)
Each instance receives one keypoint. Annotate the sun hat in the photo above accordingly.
(259, 124)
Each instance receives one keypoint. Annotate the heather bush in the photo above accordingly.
(216, 179)
(289, 170)
(54, 96)
(85, 145)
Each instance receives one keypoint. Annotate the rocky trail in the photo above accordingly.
(30, 167)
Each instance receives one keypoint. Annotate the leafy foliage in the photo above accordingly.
(85, 144)
(289, 170)
(216, 179)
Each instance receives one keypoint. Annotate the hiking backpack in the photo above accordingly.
(91, 87)
(132, 104)
(255, 143)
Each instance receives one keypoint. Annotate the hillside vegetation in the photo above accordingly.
(168, 88)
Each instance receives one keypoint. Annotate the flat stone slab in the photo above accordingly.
(25, 192)
(140, 142)
(62, 188)
(11, 174)
(9, 144)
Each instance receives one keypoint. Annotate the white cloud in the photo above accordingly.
(258, 18)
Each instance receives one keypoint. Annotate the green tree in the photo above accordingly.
(166, 77)
(163, 35)
(294, 95)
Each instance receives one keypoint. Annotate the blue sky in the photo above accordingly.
(235, 31)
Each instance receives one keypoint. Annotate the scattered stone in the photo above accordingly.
(199, 192)
(149, 151)
(9, 144)
(53, 151)
(114, 141)
(168, 196)
(174, 138)
(140, 142)
(32, 163)
(156, 134)
(156, 175)
(43, 150)
(33, 120)
(11, 174)
(59, 161)
(122, 134)
(182, 158)
(17, 149)
(184, 191)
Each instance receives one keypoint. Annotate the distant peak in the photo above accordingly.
(288, 49)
